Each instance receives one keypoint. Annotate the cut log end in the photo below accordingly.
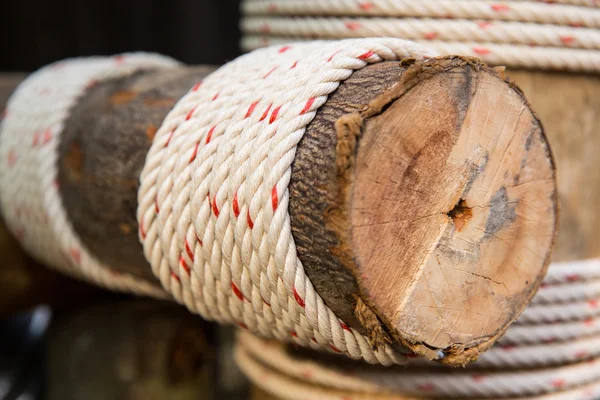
(422, 197)
(452, 207)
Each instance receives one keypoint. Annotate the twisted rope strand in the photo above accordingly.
(523, 11)
(582, 3)
(516, 56)
(537, 355)
(370, 380)
(550, 332)
(561, 312)
(519, 34)
(567, 292)
(573, 271)
(454, 30)
(287, 388)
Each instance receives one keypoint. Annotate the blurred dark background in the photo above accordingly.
(37, 32)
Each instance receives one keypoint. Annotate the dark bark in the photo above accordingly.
(102, 152)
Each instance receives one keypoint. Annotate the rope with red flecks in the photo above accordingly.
(563, 35)
(30, 136)
(553, 345)
(551, 352)
(545, 355)
(213, 200)
(214, 223)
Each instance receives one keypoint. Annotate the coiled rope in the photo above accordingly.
(279, 372)
(521, 34)
(551, 352)
(314, 381)
(29, 198)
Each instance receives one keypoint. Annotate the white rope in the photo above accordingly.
(287, 388)
(524, 11)
(518, 34)
(374, 380)
(582, 3)
(453, 30)
(538, 355)
(516, 56)
(567, 292)
(213, 201)
(543, 313)
(30, 135)
(550, 332)
(573, 271)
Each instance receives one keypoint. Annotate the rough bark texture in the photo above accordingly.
(102, 152)
(314, 188)
(569, 107)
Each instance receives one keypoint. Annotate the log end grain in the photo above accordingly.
(441, 206)
(453, 208)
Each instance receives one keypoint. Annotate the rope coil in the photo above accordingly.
(523, 11)
(520, 34)
(551, 352)
(287, 387)
(421, 383)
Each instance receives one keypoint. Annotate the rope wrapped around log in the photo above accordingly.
(303, 192)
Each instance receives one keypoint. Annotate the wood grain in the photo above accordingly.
(569, 107)
(443, 208)
(407, 165)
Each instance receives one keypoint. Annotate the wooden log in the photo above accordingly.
(569, 107)
(131, 349)
(102, 154)
(439, 169)
(567, 104)
(443, 197)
